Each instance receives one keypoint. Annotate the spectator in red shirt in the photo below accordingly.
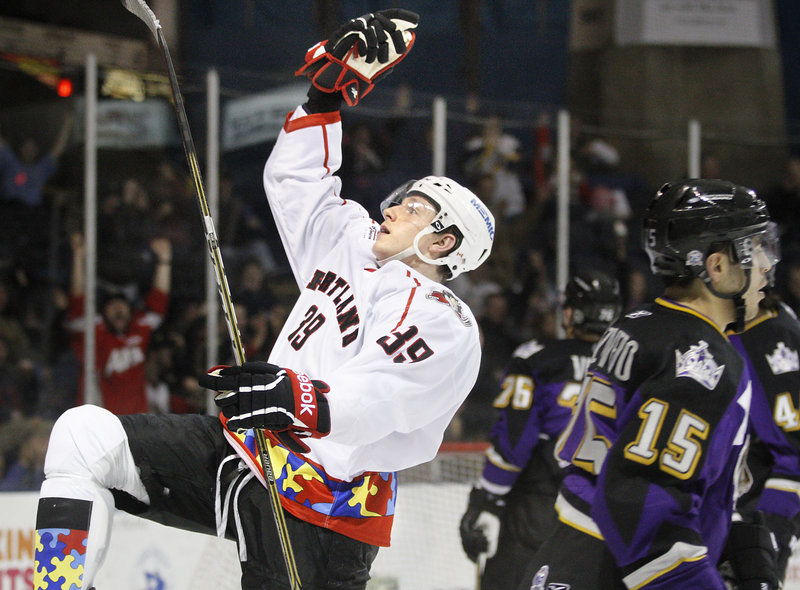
(122, 333)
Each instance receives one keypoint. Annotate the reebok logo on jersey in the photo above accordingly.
(699, 364)
(783, 360)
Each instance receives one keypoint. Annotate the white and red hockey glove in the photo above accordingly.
(263, 395)
(359, 52)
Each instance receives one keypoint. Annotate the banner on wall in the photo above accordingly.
(722, 23)
(259, 118)
(16, 542)
(128, 124)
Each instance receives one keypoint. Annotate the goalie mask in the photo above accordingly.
(458, 210)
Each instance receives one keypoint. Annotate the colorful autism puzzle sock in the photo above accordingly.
(62, 533)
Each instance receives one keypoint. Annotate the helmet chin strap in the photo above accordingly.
(399, 256)
(413, 249)
(737, 298)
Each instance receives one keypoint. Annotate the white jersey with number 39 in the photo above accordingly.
(399, 351)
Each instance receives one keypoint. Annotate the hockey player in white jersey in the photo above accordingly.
(371, 365)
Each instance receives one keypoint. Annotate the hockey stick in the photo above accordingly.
(143, 11)
(479, 567)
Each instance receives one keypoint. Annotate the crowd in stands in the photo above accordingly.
(151, 258)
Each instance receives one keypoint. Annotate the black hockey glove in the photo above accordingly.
(785, 532)
(262, 395)
(751, 552)
(480, 525)
(360, 52)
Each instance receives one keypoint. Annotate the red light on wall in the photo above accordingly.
(64, 87)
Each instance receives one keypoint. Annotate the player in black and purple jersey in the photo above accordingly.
(770, 345)
(654, 449)
(510, 508)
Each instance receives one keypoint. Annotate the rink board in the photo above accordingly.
(144, 554)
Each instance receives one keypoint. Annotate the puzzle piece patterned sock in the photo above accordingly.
(62, 534)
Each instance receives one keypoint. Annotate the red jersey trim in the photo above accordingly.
(310, 120)
(327, 151)
(408, 303)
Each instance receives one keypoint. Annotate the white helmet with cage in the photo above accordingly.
(456, 208)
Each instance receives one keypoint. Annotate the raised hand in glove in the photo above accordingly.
(263, 395)
(751, 551)
(360, 52)
(480, 525)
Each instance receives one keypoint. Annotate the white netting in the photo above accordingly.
(426, 551)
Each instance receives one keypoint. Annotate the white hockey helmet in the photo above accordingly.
(457, 207)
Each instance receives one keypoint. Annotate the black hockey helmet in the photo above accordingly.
(685, 219)
(595, 300)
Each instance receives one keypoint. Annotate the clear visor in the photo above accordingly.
(771, 243)
(396, 196)
(772, 248)
(413, 205)
(759, 250)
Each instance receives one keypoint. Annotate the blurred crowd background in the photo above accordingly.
(503, 148)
